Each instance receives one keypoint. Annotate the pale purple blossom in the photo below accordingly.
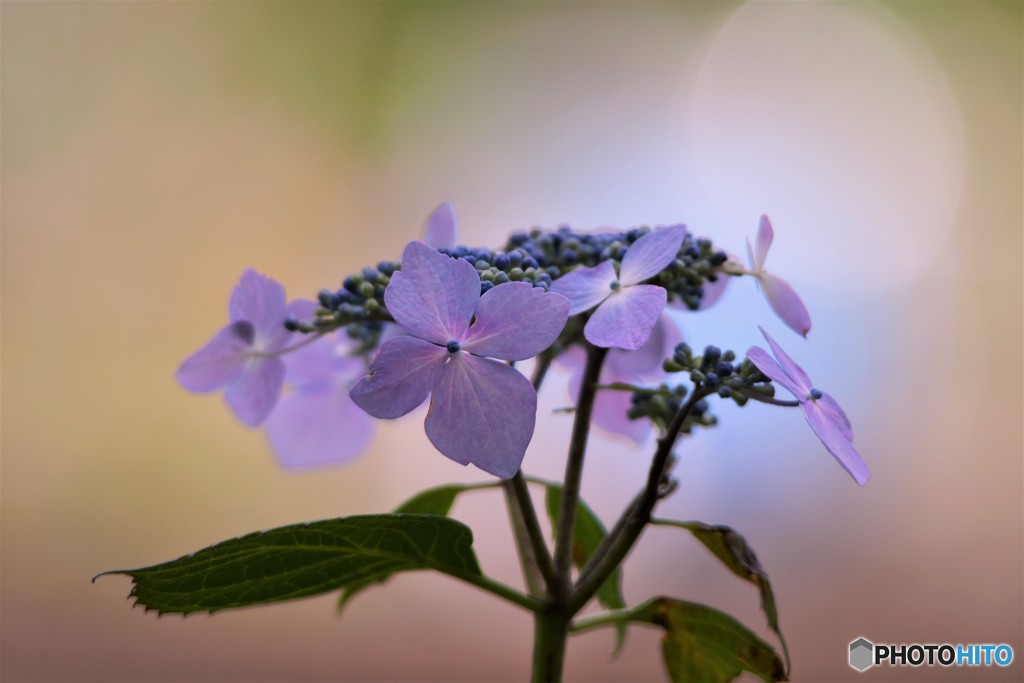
(781, 296)
(243, 357)
(826, 418)
(626, 309)
(611, 406)
(316, 423)
(482, 411)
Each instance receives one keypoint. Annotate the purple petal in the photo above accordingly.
(324, 362)
(795, 372)
(434, 296)
(762, 243)
(253, 395)
(318, 427)
(771, 369)
(626, 319)
(482, 412)
(786, 303)
(837, 444)
(441, 228)
(650, 254)
(516, 321)
(586, 287)
(260, 301)
(831, 409)
(626, 366)
(611, 408)
(401, 376)
(573, 358)
(221, 361)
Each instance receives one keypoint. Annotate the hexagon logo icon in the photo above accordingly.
(862, 653)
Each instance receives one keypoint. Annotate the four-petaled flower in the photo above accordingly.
(243, 357)
(780, 294)
(626, 310)
(824, 415)
(317, 423)
(481, 411)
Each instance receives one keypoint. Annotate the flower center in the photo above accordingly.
(615, 285)
(453, 346)
(815, 394)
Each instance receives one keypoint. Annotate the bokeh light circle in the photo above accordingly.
(834, 119)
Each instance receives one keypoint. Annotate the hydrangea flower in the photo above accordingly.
(781, 296)
(243, 357)
(317, 423)
(611, 408)
(441, 229)
(826, 418)
(626, 310)
(482, 411)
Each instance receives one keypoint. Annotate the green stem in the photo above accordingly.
(613, 550)
(551, 631)
(610, 618)
(574, 471)
(534, 556)
(502, 591)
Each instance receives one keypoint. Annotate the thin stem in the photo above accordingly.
(502, 591)
(616, 546)
(574, 469)
(534, 556)
(610, 618)
(771, 400)
(288, 349)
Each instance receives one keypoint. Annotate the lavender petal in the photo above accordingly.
(586, 287)
(441, 228)
(831, 409)
(627, 366)
(259, 300)
(786, 303)
(482, 412)
(434, 296)
(221, 361)
(773, 371)
(650, 254)
(795, 372)
(837, 444)
(401, 377)
(254, 394)
(325, 361)
(320, 426)
(762, 243)
(626, 319)
(516, 321)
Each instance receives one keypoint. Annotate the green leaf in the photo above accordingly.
(734, 552)
(587, 534)
(703, 645)
(303, 560)
(436, 501)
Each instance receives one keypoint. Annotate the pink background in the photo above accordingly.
(153, 151)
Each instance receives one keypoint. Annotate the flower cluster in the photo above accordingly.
(448, 323)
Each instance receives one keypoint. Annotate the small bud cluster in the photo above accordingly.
(717, 370)
(536, 257)
(560, 251)
(661, 405)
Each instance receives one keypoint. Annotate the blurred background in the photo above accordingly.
(153, 151)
